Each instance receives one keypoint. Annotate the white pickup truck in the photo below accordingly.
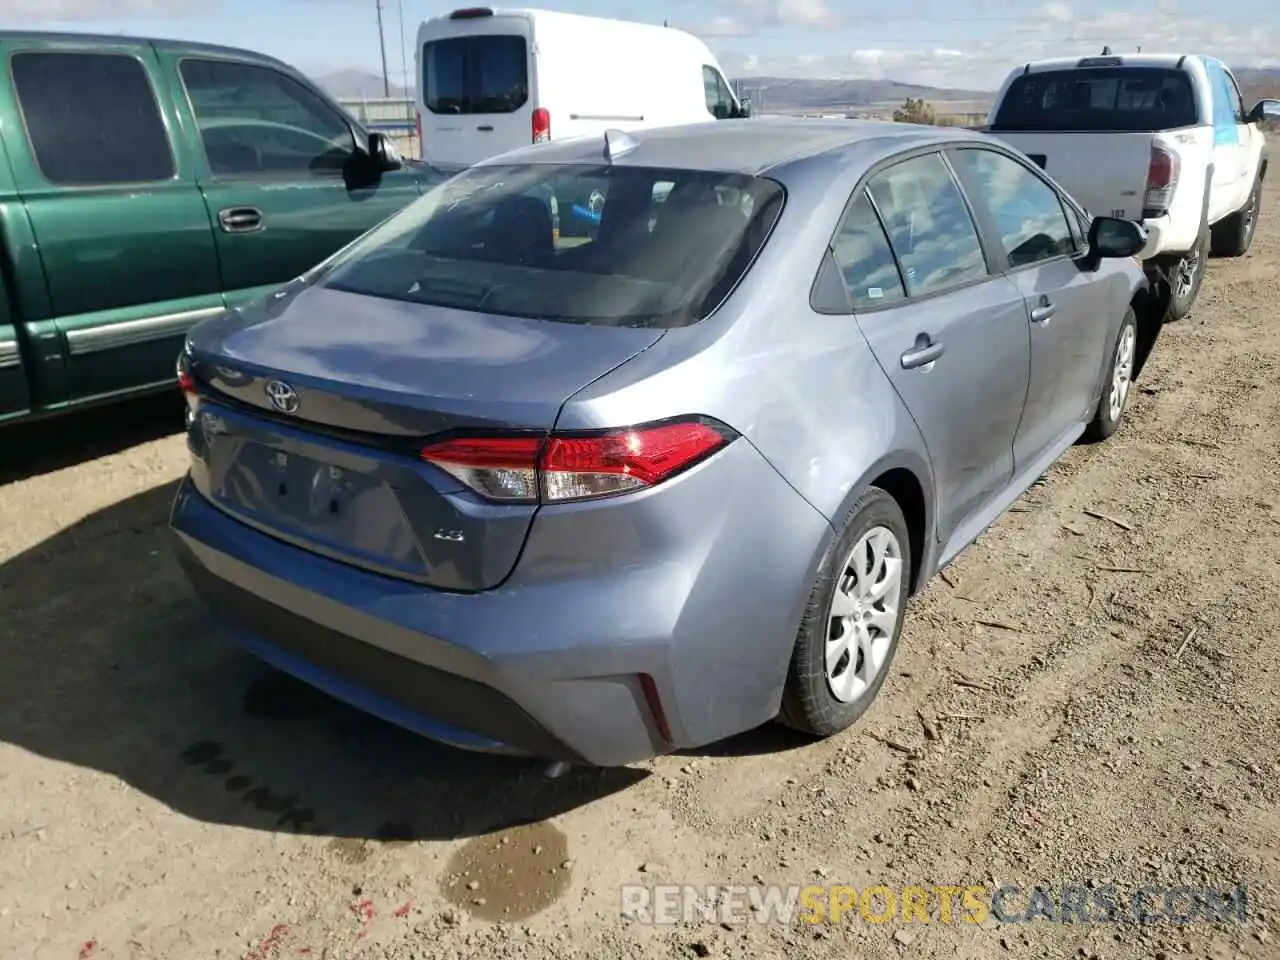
(1160, 138)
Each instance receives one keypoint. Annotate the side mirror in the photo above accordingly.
(1112, 238)
(383, 152)
(1265, 110)
(744, 108)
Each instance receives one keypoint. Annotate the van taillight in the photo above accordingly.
(417, 124)
(1162, 180)
(541, 125)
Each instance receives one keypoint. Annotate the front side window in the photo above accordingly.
(719, 96)
(928, 224)
(1101, 99)
(91, 118)
(486, 241)
(866, 262)
(255, 121)
(1027, 211)
(481, 74)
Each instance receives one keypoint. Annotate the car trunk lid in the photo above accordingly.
(316, 403)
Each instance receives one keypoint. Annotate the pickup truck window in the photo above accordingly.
(1027, 211)
(928, 224)
(1098, 99)
(91, 118)
(256, 121)
(865, 258)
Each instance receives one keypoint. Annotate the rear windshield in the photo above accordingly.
(580, 243)
(484, 74)
(1103, 99)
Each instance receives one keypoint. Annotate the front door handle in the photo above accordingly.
(1042, 313)
(240, 219)
(486, 128)
(922, 354)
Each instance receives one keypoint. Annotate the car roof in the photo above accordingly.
(53, 39)
(742, 146)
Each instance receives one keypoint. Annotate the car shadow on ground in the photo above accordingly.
(108, 662)
(45, 446)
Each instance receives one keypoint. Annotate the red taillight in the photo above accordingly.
(541, 125)
(1162, 180)
(186, 382)
(565, 467)
(417, 126)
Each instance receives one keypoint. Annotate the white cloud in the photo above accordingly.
(71, 11)
(723, 27)
(1057, 11)
(756, 15)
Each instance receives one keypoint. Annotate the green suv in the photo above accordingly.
(148, 184)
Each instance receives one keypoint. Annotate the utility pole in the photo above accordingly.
(382, 42)
(404, 57)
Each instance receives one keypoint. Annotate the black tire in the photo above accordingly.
(1106, 422)
(1233, 235)
(808, 703)
(1182, 295)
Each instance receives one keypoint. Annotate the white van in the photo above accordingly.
(490, 80)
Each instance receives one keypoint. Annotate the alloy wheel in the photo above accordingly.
(864, 614)
(1122, 371)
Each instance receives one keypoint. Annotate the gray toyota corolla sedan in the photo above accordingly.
(664, 465)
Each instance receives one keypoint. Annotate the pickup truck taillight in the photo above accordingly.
(1162, 180)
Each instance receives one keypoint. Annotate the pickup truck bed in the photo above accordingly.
(1106, 172)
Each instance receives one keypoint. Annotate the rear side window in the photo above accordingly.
(1102, 99)
(865, 260)
(484, 74)
(91, 118)
(614, 246)
(929, 225)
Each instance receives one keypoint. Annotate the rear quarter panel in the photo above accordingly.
(801, 387)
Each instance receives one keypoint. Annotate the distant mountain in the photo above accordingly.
(357, 85)
(790, 94)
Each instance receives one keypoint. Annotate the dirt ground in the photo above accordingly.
(1091, 696)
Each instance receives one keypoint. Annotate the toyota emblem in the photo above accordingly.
(282, 396)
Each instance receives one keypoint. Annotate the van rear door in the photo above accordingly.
(477, 86)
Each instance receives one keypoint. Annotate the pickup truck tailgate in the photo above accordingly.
(1105, 172)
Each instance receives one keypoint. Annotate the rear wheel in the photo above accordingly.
(1186, 277)
(1114, 399)
(853, 620)
(1233, 236)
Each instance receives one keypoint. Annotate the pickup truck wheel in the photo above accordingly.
(1233, 235)
(1114, 399)
(1185, 277)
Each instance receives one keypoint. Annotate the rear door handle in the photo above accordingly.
(1044, 311)
(240, 219)
(922, 354)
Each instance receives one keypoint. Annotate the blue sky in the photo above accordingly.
(958, 43)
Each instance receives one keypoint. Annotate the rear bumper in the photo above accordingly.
(549, 664)
(1165, 237)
